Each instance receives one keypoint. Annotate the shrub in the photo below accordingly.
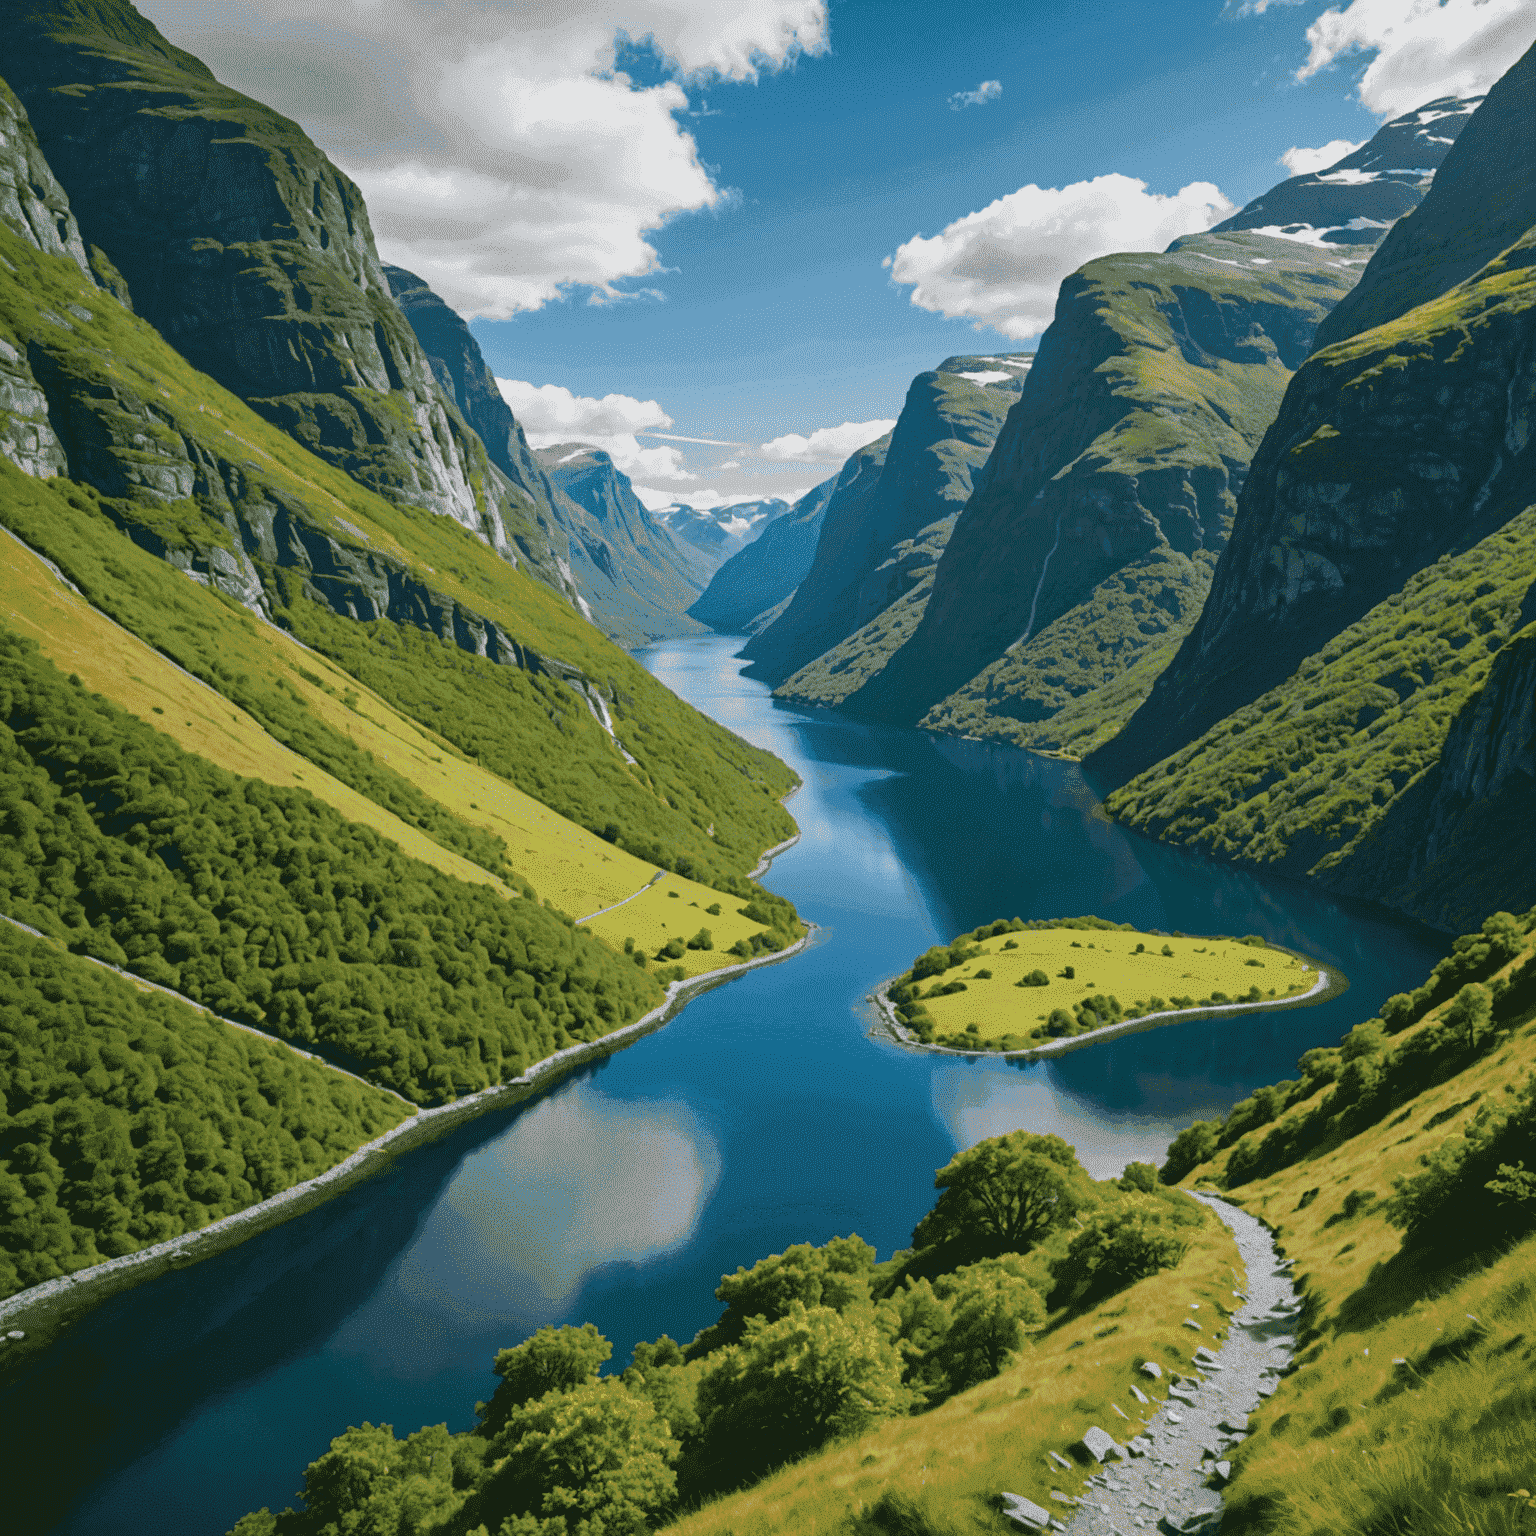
(703, 939)
(1194, 1145)
(1118, 1246)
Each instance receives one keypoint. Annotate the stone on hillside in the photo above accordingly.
(1060, 1460)
(1099, 1444)
(1139, 1395)
(16, 1333)
(1224, 1470)
(1235, 1424)
(1189, 1322)
(1026, 1512)
(1180, 1390)
(1153, 1369)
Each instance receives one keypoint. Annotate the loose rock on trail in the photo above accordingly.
(1163, 1482)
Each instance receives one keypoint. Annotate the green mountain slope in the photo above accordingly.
(1392, 1173)
(253, 255)
(637, 577)
(133, 1118)
(1400, 462)
(1088, 538)
(1482, 200)
(942, 436)
(195, 477)
(764, 575)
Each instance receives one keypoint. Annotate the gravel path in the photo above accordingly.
(1168, 1481)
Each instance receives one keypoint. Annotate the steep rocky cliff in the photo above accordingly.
(246, 249)
(1359, 197)
(1356, 678)
(1089, 537)
(764, 575)
(943, 434)
(1403, 444)
(637, 577)
(1482, 200)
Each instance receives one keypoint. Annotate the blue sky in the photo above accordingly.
(504, 162)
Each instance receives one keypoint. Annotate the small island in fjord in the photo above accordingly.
(1015, 986)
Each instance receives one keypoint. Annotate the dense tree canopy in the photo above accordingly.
(127, 1117)
(268, 906)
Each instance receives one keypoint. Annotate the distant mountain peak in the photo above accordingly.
(1358, 198)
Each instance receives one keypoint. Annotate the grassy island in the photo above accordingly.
(1012, 985)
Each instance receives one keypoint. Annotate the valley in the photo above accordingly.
(539, 985)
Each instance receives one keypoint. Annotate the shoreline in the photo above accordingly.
(770, 854)
(1329, 984)
(55, 1303)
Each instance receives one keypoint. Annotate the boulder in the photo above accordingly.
(1025, 1512)
(1189, 1322)
(1060, 1460)
(1099, 1444)
(1139, 1395)
(1224, 1470)
(1153, 1369)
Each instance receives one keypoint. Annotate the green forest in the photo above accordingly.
(270, 907)
(815, 1344)
(127, 1117)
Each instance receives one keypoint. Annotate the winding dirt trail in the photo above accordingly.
(1172, 1471)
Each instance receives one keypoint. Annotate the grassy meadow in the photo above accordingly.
(565, 864)
(952, 1461)
(1410, 1409)
(1007, 985)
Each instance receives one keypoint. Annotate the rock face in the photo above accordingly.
(244, 246)
(870, 552)
(1349, 705)
(1092, 531)
(1483, 200)
(34, 206)
(1391, 450)
(1356, 199)
(636, 576)
(764, 575)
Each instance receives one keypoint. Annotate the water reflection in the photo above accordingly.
(760, 1117)
(975, 1100)
(578, 1181)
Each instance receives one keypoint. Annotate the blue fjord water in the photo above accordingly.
(763, 1115)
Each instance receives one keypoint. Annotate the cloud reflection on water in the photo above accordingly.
(974, 1100)
(577, 1181)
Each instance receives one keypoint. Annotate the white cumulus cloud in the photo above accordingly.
(550, 414)
(504, 157)
(826, 445)
(1002, 265)
(1423, 48)
(988, 90)
(1302, 162)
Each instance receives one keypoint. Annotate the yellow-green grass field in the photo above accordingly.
(955, 1460)
(566, 864)
(1411, 1409)
(678, 908)
(1127, 965)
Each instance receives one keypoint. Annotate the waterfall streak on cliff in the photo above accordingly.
(1029, 628)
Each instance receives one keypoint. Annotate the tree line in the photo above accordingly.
(127, 1118)
(268, 906)
(816, 1344)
